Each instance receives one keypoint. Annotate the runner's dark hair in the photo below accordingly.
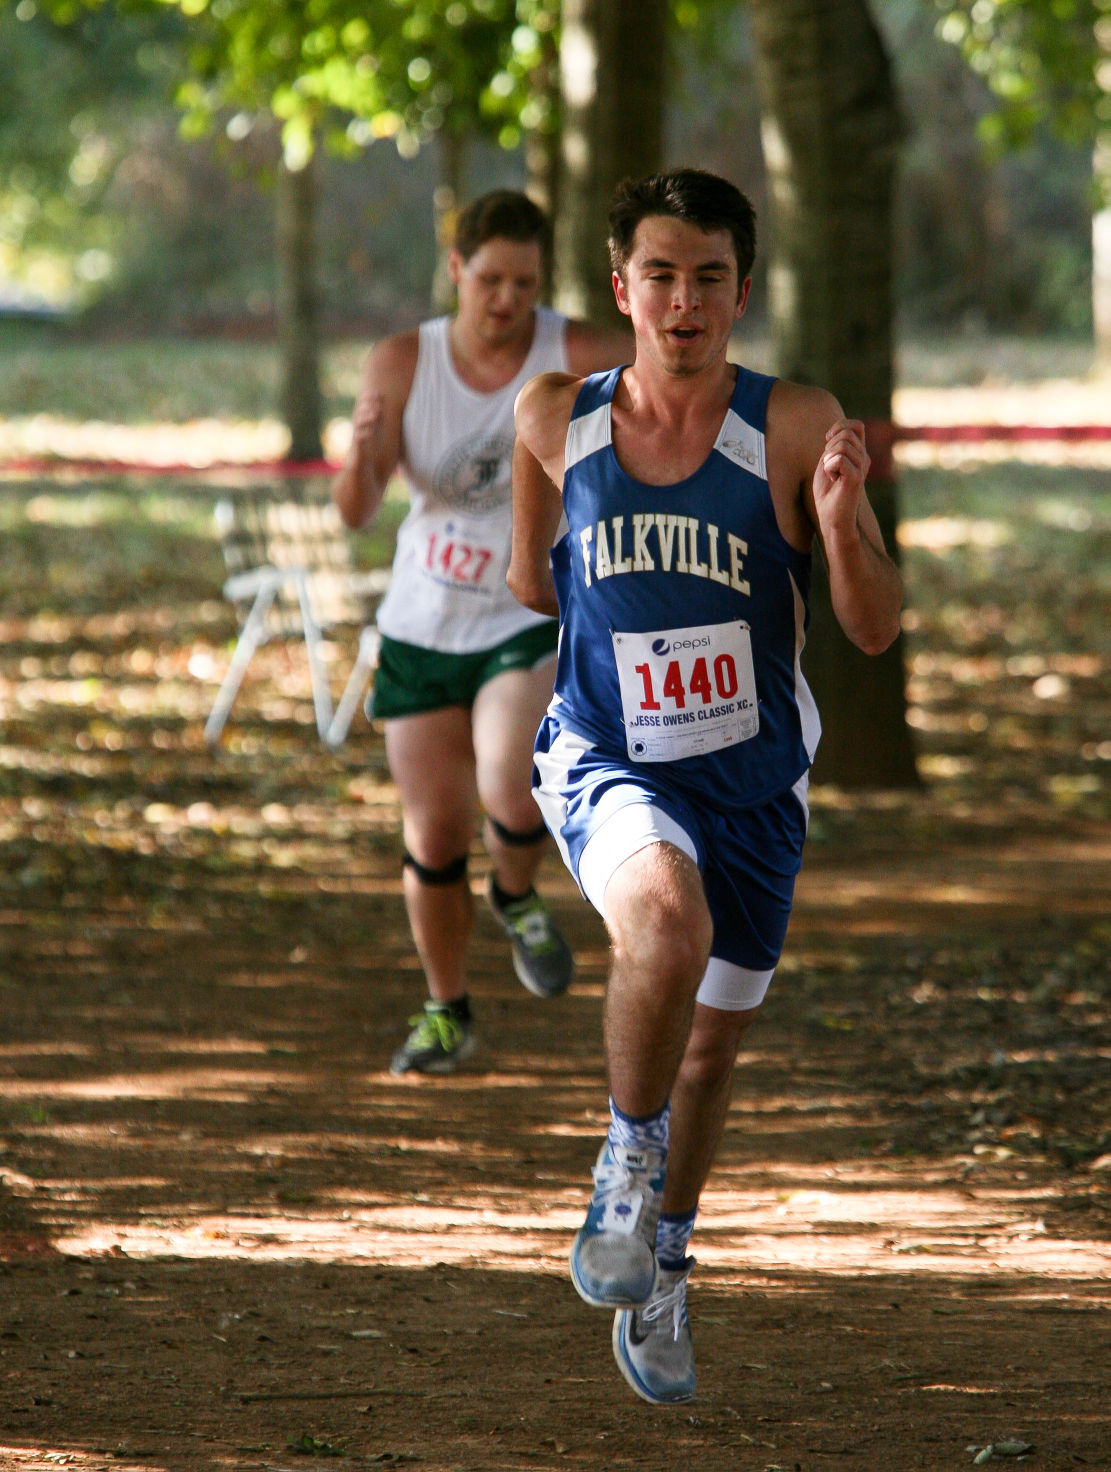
(701, 199)
(503, 214)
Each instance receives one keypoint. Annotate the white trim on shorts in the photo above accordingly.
(635, 825)
(732, 988)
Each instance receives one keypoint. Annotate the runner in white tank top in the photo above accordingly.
(465, 672)
(448, 588)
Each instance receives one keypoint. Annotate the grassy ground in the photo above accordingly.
(1008, 572)
(1006, 563)
(44, 372)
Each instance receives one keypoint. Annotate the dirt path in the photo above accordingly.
(229, 1240)
(227, 1229)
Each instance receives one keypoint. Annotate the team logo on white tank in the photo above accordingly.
(475, 474)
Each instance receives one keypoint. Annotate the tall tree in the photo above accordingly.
(1049, 64)
(298, 318)
(831, 127)
(612, 104)
(403, 68)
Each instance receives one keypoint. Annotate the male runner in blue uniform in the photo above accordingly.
(672, 764)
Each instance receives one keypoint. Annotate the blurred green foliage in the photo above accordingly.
(1045, 61)
(103, 201)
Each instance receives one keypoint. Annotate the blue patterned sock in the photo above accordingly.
(649, 1133)
(673, 1233)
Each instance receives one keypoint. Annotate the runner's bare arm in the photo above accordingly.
(376, 439)
(536, 512)
(542, 411)
(865, 586)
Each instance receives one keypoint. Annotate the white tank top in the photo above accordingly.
(448, 588)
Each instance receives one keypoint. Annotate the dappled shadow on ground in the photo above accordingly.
(227, 1364)
(227, 1228)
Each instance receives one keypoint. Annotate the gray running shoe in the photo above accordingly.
(541, 957)
(613, 1259)
(438, 1043)
(652, 1345)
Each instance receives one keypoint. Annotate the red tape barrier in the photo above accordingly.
(975, 433)
(883, 436)
(47, 464)
(878, 434)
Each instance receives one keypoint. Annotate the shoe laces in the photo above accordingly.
(614, 1175)
(531, 923)
(436, 1027)
(673, 1301)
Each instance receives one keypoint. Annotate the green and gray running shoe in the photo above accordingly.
(438, 1043)
(541, 957)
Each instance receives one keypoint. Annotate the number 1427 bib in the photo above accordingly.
(685, 692)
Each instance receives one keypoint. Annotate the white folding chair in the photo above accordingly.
(289, 565)
(366, 661)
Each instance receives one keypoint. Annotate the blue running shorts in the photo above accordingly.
(601, 811)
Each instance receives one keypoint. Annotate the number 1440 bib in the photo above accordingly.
(685, 692)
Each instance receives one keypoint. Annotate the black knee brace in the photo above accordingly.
(448, 874)
(518, 840)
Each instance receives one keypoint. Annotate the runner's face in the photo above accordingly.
(680, 290)
(497, 288)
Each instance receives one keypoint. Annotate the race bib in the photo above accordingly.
(459, 561)
(686, 692)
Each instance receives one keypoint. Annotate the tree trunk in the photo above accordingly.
(298, 327)
(612, 59)
(1101, 220)
(542, 150)
(830, 128)
(447, 201)
(1101, 250)
(543, 188)
(1101, 286)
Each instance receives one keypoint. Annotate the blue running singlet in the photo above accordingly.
(683, 611)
